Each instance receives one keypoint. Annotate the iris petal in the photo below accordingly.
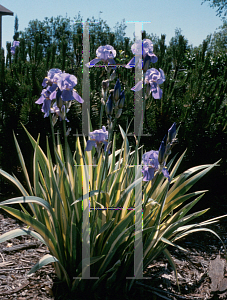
(166, 173)
(90, 144)
(53, 95)
(131, 63)
(67, 95)
(158, 93)
(40, 100)
(92, 62)
(77, 97)
(138, 86)
(148, 173)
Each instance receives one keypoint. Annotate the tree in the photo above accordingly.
(221, 6)
(16, 26)
(218, 40)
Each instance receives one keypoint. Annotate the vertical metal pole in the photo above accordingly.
(138, 125)
(138, 254)
(86, 81)
(138, 121)
(85, 131)
(86, 227)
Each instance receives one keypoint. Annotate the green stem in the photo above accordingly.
(144, 107)
(52, 130)
(110, 134)
(101, 114)
(53, 137)
(65, 137)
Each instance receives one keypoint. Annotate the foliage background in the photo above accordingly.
(194, 93)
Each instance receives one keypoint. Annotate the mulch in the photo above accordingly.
(202, 271)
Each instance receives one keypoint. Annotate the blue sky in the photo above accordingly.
(195, 20)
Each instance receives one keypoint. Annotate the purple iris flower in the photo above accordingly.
(144, 48)
(54, 74)
(58, 86)
(45, 101)
(151, 165)
(65, 83)
(97, 138)
(51, 80)
(104, 53)
(153, 78)
(13, 48)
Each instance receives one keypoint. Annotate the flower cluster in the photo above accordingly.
(13, 48)
(152, 76)
(60, 86)
(154, 161)
(115, 100)
(145, 48)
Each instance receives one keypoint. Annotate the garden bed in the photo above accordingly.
(202, 272)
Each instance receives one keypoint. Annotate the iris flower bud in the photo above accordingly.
(118, 114)
(109, 105)
(105, 84)
(172, 133)
(161, 151)
(59, 99)
(121, 100)
(63, 112)
(117, 90)
(54, 119)
(68, 131)
(105, 87)
(113, 75)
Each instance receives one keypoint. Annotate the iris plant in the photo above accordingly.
(62, 193)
